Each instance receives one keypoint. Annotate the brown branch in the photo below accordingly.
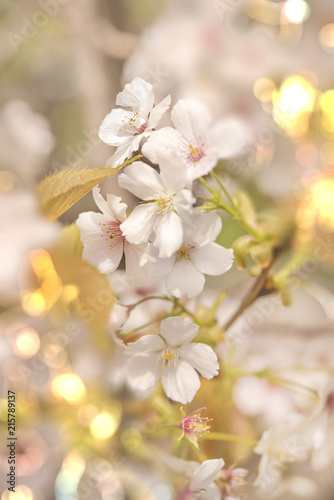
(253, 294)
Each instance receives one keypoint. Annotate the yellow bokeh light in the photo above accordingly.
(296, 11)
(317, 209)
(33, 303)
(327, 106)
(327, 101)
(326, 37)
(22, 492)
(70, 293)
(292, 104)
(27, 343)
(323, 202)
(70, 387)
(263, 89)
(104, 425)
(75, 462)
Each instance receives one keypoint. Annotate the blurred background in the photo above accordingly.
(62, 64)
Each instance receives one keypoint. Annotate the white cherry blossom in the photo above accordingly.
(203, 478)
(168, 202)
(126, 126)
(196, 139)
(287, 442)
(173, 358)
(103, 240)
(198, 255)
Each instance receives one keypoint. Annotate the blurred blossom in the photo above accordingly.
(25, 141)
(23, 230)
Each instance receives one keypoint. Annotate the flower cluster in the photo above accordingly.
(170, 242)
(165, 234)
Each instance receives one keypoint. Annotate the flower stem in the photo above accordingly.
(209, 188)
(134, 330)
(220, 436)
(153, 297)
(222, 187)
(219, 203)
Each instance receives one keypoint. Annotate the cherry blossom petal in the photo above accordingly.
(173, 170)
(192, 119)
(109, 131)
(213, 492)
(202, 228)
(228, 137)
(205, 164)
(183, 203)
(202, 358)
(180, 382)
(212, 259)
(141, 180)
(123, 152)
(96, 249)
(117, 207)
(137, 228)
(135, 269)
(157, 265)
(206, 473)
(165, 138)
(102, 204)
(168, 234)
(146, 345)
(137, 95)
(158, 111)
(184, 279)
(143, 371)
(177, 331)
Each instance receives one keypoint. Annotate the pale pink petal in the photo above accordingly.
(212, 259)
(102, 204)
(157, 265)
(177, 331)
(202, 228)
(141, 180)
(97, 249)
(143, 371)
(228, 137)
(202, 358)
(133, 257)
(117, 207)
(137, 95)
(147, 344)
(109, 131)
(137, 228)
(173, 170)
(168, 234)
(165, 138)
(212, 492)
(184, 279)
(183, 203)
(203, 166)
(158, 111)
(123, 152)
(192, 119)
(180, 382)
(206, 473)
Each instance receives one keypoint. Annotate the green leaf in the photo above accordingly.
(60, 191)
